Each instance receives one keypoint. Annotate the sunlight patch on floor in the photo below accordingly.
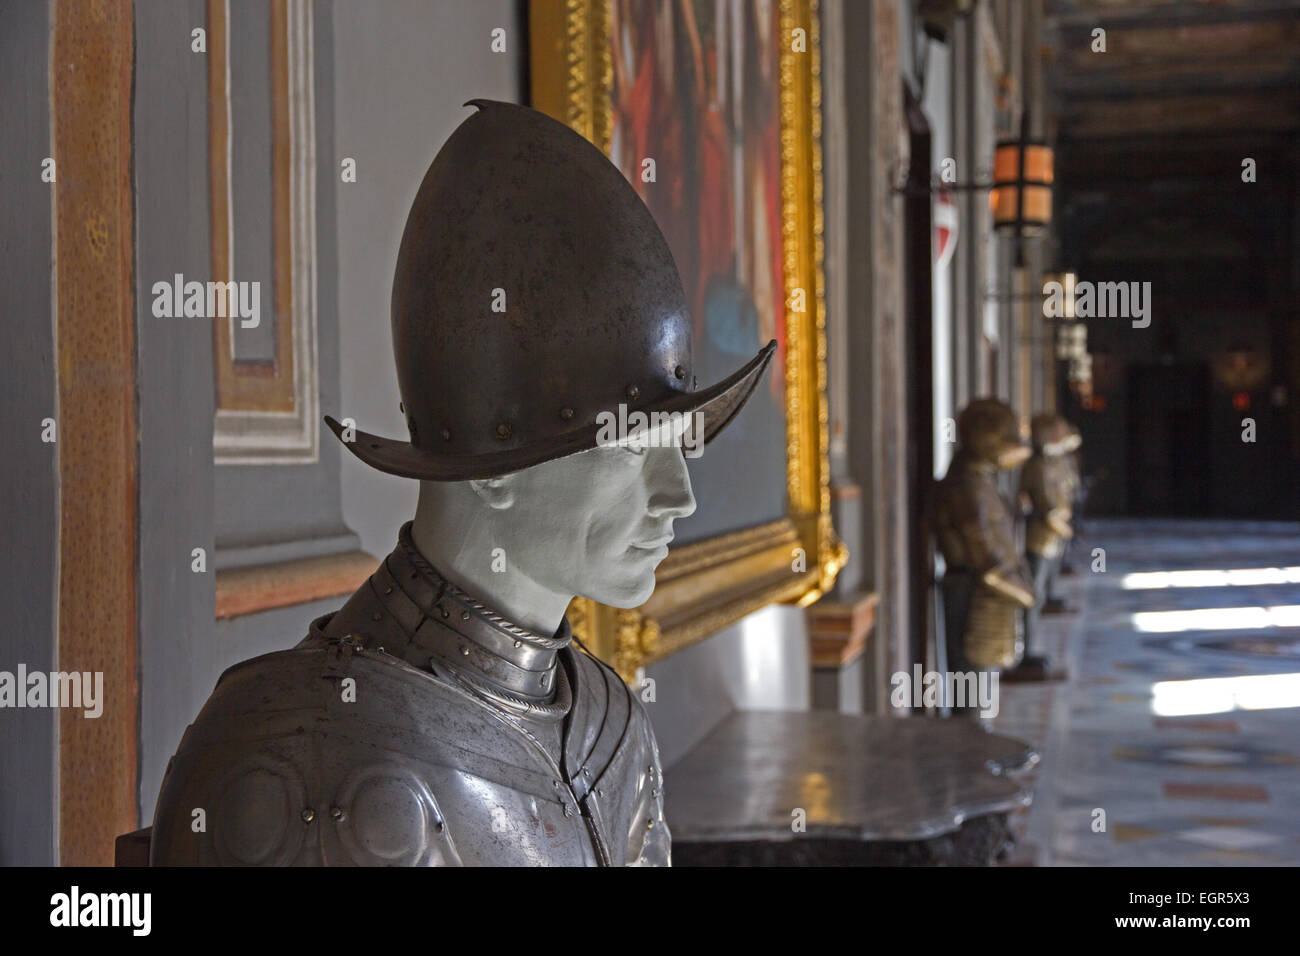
(1217, 695)
(1218, 619)
(1237, 577)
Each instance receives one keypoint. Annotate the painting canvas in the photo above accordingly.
(695, 127)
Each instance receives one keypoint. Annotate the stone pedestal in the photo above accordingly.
(837, 635)
(822, 788)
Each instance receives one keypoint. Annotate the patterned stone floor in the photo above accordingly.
(1183, 729)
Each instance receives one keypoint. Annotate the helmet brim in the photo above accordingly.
(719, 404)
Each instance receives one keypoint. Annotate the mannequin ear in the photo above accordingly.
(498, 493)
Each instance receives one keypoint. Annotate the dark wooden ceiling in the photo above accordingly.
(1155, 129)
(1185, 68)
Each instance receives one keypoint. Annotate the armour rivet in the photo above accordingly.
(633, 391)
(445, 612)
(388, 590)
(503, 430)
(649, 824)
(308, 815)
(679, 372)
(465, 651)
(376, 616)
(446, 434)
(566, 413)
(336, 813)
(519, 643)
(464, 615)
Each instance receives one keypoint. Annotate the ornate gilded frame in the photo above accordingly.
(704, 586)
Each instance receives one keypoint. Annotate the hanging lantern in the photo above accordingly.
(1058, 295)
(1071, 340)
(1022, 186)
(1081, 369)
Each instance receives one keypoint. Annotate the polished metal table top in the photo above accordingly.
(856, 777)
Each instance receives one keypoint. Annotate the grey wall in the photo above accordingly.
(29, 478)
(239, 514)
(266, 513)
(403, 69)
(759, 663)
(175, 482)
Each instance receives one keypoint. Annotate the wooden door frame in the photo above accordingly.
(92, 61)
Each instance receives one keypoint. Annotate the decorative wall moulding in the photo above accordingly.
(290, 583)
(268, 405)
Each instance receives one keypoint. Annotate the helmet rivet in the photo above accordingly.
(679, 372)
(633, 391)
(308, 814)
(503, 430)
(446, 434)
(566, 413)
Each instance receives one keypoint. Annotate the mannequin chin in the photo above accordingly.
(594, 524)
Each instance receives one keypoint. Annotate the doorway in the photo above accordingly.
(1168, 440)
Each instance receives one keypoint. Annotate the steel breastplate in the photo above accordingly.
(339, 753)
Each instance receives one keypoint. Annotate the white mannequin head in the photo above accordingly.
(594, 524)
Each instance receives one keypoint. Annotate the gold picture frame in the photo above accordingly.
(704, 586)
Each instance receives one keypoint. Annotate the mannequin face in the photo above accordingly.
(595, 524)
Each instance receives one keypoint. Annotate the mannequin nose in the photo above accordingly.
(668, 483)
